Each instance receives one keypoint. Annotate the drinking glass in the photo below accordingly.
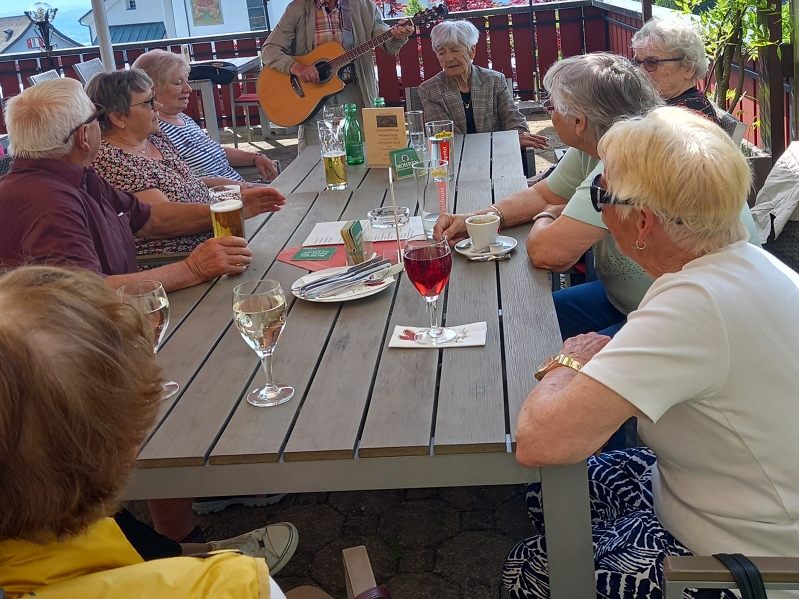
(259, 311)
(432, 191)
(227, 211)
(428, 263)
(153, 301)
(415, 120)
(334, 156)
(439, 143)
(332, 111)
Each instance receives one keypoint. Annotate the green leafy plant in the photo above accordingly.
(733, 34)
(413, 7)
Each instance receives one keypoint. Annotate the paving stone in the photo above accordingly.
(310, 498)
(512, 519)
(422, 586)
(286, 583)
(363, 502)
(476, 556)
(360, 525)
(417, 560)
(475, 498)
(328, 570)
(478, 519)
(419, 523)
(422, 493)
(480, 589)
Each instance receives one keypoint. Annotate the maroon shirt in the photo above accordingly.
(59, 213)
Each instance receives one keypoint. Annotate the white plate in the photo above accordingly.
(345, 295)
(505, 243)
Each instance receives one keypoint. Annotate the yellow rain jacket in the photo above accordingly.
(100, 563)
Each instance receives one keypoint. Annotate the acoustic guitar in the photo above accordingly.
(289, 101)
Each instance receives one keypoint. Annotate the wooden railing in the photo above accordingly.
(518, 41)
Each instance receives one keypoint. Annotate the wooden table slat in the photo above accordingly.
(506, 155)
(476, 160)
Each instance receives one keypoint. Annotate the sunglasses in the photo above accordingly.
(651, 64)
(99, 111)
(601, 197)
(151, 102)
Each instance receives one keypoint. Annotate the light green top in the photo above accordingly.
(625, 282)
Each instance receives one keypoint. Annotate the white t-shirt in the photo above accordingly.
(709, 359)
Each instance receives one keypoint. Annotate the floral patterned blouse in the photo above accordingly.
(172, 176)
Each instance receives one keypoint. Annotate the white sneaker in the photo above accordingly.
(276, 543)
(210, 505)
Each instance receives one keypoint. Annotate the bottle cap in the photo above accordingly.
(379, 102)
(350, 108)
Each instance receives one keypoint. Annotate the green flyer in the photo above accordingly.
(402, 161)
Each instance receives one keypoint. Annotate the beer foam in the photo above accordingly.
(227, 206)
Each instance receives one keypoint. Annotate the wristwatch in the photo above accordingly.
(544, 215)
(554, 362)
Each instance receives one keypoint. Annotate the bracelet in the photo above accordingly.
(544, 215)
(255, 157)
(493, 208)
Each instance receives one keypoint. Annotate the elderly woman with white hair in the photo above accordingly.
(208, 159)
(672, 53)
(701, 363)
(475, 99)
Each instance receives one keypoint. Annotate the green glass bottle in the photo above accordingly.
(379, 102)
(353, 135)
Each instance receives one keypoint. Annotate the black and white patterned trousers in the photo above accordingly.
(629, 542)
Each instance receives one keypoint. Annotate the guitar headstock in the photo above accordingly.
(430, 15)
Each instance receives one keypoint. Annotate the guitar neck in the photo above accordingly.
(359, 50)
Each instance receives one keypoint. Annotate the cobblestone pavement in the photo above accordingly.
(422, 543)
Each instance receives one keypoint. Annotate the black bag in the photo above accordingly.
(746, 576)
(219, 71)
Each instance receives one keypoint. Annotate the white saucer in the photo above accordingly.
(345, 295)
(503, 245)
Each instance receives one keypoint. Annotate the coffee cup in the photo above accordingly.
(483, 229)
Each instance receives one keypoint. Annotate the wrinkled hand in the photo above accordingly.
(258, 199)
(266, 168)
(306, 73)
(584, 347)
(403, 30)
(530, 140)
(451, 225)
(219, 256)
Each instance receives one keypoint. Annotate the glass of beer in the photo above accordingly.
(331, 137)
(440, 135)
(227, 211)
(259, 311)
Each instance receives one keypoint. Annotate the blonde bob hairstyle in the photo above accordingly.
(79, 388)
(685, 169)
(160, 65)
(42, 116)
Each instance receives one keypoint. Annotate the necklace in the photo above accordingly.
(142, 150)
(466, 104)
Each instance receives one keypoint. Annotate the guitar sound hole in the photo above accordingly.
(325, 72)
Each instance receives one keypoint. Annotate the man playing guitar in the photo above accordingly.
(308, 23)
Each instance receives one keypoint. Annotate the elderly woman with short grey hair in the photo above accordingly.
(170, 74)
(672, 53)
(475, 99)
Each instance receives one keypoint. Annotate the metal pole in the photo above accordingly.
(646, 9)
(103, 36)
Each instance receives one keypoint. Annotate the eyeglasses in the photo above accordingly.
(601, 197)
(99, 111)
(651, 64)
(151, 102)
(548, 105)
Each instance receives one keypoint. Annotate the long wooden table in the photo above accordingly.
(366, 416)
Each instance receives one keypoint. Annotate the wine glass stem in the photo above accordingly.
(266, 363)
(431, 312)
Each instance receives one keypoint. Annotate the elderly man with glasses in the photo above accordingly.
(58, 210)
(587, 94)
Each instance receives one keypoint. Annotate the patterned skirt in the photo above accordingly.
(629, 542)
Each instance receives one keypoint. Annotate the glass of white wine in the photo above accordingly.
(152, 299)
(259, 311)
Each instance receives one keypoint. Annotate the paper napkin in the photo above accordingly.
(469, 335)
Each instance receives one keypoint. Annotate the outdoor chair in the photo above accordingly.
(46, 76)
(87, 70)
(5, 163)
(734, 128)
(707, 572)
(241, 97)
(358, 576)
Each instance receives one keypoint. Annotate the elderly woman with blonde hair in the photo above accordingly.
(475, 99)
(701, 363)
(170, 74)
(672, 54)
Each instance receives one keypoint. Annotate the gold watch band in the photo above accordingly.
(555, 362)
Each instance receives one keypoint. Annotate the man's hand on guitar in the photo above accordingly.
(306, 73)
(403, 30)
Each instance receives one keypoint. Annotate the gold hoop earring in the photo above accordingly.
(637, 245)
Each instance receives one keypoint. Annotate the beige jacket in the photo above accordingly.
(492, 103)
(294, 36)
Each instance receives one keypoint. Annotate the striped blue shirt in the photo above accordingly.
(205, 157)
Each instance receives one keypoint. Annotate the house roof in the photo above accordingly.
(13, 28)
(138, 32)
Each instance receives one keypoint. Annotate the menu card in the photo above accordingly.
(383, 130)
(330, 233)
